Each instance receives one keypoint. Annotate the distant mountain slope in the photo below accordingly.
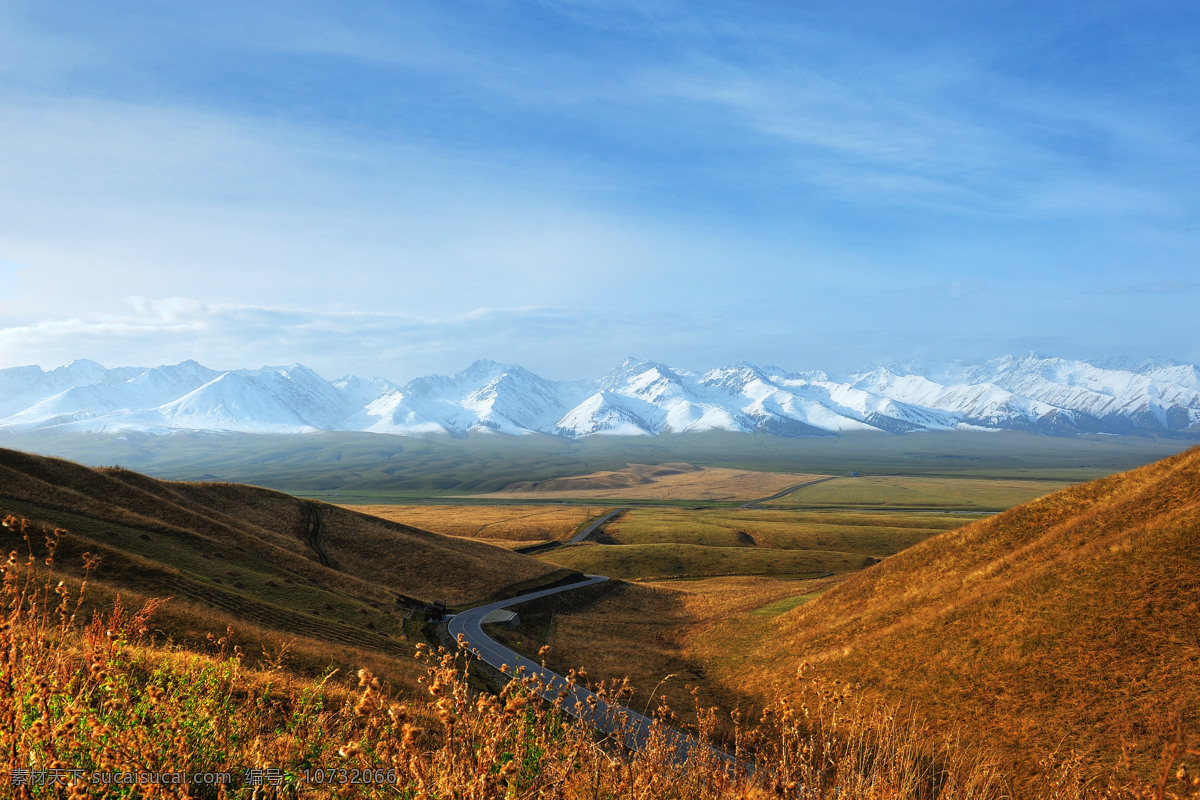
(280, 562)
(1070, 621)
(1032, 393)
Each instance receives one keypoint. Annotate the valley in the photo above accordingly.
(945, 591)
(391, 390)
(704, 608)
(687, 557)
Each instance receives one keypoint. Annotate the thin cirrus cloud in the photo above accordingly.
(394, 346)
(298, 209)
(649, 178)
(877, 142)
(399, 347)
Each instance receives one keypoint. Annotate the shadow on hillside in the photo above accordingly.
(621, 630)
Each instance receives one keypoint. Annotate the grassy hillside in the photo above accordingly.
(1067, 623)
(252, 558)
(93, 706)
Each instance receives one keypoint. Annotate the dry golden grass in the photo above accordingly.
(88, 705)
(661, 482)
(647, 631)
(220, 535)
(524, 524)
(423, 564)
(1068, 623)
(510, 544)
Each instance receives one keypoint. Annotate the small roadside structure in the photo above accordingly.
(502, 616)
(437, 611)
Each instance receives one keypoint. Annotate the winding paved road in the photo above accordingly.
(610, 718)
(590, 529)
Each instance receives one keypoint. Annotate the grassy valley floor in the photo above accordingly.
(906, 586)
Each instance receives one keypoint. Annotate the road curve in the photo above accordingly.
(610, 718)
(590, 529)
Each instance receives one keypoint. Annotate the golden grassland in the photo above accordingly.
(499, 525)
(681, 542)
(85, 699)
(238, 558)
(1070, 621)
(1065, 626)
(1042, 638)
(204, 539)
(904, 491)
(647, 631)
(659, 482)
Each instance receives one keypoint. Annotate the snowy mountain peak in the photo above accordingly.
(629, 369)
(483, 369)
(1030, 392)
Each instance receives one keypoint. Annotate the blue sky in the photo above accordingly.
(399, 188)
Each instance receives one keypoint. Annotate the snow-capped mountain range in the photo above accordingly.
(1032, 393)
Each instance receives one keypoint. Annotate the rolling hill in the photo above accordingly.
(241, 555)
(1068, 623)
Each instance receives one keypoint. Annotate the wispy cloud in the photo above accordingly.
(109, 199)
(572, 181)
(560, 343)
(396, 346)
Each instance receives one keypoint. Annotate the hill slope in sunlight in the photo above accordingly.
(235, 554)
(1071, 622)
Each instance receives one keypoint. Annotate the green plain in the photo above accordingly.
(875, 534)
(669, 560)
(365, 467)
(905, 491)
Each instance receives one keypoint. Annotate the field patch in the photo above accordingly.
(887, 491)
(878, 534)
(668, 560)
(503, 525)
(667, 482)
